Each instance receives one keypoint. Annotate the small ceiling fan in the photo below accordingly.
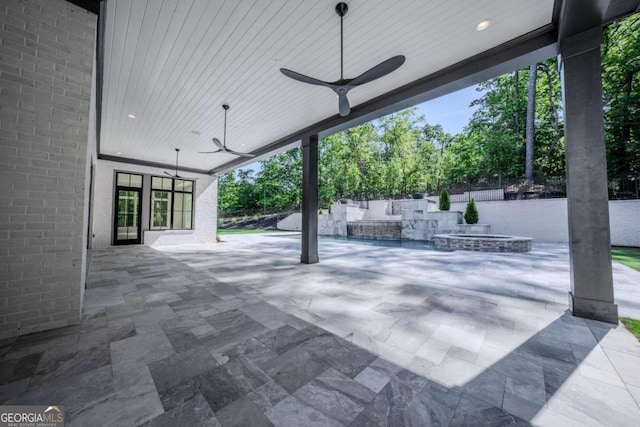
(343, 86)
(176, 174)
(222, 146)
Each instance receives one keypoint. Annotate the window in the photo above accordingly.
(127, 208)
(171, 204)
(129, 180)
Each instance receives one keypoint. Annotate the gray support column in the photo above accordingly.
(591, 293)
(309, 200)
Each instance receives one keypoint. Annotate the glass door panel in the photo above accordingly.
(127, 227)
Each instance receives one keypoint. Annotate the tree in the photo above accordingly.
(278, 185)
(401, 135)
(432, 153)
(494, 134)
(247, 198)
(471, 213)
(227, 193)
(621, 90)
(444, 202)
(531, 120)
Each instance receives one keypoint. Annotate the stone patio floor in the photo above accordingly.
(242, 334)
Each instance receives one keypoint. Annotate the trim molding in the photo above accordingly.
(150, 164)
(100, 70)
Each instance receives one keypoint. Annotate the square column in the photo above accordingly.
(591, 293)
(309, 200)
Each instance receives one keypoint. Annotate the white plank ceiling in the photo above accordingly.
(173, 63)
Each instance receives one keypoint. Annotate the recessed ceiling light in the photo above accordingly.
(483, 25)
(195, 132)
(131, 116)
(118, 152)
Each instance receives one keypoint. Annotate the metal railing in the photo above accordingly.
(495, 188)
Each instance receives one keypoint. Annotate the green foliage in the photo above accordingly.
(632, 325)
(445, 201)
(471, 213)
(493, 141)
(627, 256)
(320, 212)
(621, 87)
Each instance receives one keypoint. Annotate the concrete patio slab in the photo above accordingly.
(241, 333)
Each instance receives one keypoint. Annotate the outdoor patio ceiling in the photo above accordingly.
(172, 64)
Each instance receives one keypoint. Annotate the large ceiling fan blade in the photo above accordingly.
(210, 152)
(304, 79)
(167, 173)
(343, 104)
(382, 69)
(217, 142)
(240, 154)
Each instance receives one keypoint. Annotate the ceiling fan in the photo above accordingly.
(176, 174)
(222, 146)
(343, 86)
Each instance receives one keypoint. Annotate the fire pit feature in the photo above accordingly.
(482, 242)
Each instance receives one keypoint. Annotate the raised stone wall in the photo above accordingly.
(335, 223)
(375, 229)
(480, 243)
(46, 69)
(420, 224)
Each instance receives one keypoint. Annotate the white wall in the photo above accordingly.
(205, 209)
(378, 209)
(542, 220)
(291, 223)
(624, 217)
(44, 128)
(547, 220)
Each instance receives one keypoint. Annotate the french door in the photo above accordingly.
(128, 208)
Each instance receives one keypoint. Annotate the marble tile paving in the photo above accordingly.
(241, 334)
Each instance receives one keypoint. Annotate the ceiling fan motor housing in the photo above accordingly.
(343, 86)
(341, 9)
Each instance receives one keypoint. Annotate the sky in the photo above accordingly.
(451, 111)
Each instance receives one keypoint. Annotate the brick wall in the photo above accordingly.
(46, 65)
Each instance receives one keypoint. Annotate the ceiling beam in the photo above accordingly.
(150, 164)
(578, 16)
(530, 48)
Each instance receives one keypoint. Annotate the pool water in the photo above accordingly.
(405, 244)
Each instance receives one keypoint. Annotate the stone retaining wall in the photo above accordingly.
(377, 230)
(480, 244)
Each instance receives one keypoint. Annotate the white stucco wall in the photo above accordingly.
(547, 220)
(378, 209)
(624, 217)
(205, 208)
(542, 220)
(291, 223)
